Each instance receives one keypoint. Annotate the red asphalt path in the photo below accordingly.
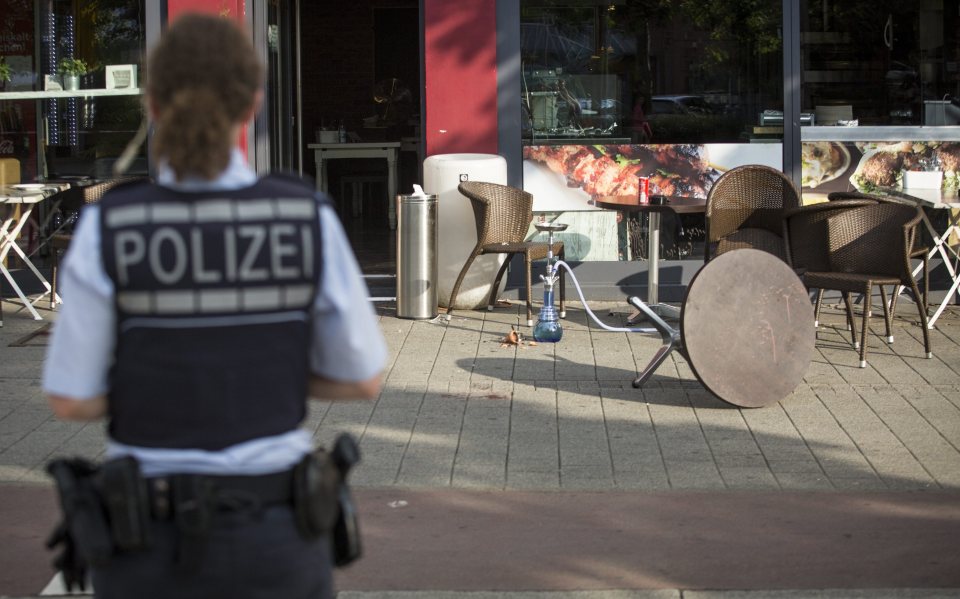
(516, 541)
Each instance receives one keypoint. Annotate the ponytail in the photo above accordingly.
(202, 80)
(193, 134)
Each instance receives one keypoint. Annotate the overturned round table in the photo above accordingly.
(747, 328)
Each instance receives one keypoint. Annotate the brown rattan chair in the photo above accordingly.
(503, 216)
(806, 240)
(921, 252)
(745, 210)
(89, 194)
(871, 246)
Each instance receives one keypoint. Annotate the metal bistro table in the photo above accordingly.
(939, 200)
(387, 150)
(27, 197)
(746, 329)
(675, 204)
(746, 323)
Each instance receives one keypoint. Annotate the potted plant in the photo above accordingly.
(4, 72)
(71, 69)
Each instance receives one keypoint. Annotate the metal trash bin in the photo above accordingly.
(417, 256)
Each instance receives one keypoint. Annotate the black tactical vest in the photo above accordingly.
(213, 298)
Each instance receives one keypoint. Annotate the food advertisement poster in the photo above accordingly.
(566, 178)
(868, 166)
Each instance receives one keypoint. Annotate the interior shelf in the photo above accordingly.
(79, 93)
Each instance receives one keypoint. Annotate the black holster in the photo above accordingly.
(193, 506)
(105, 509)
(83, 532)
(316, 482)
(322, 501)
(124, 493)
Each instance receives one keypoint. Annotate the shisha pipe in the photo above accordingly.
(548, 328)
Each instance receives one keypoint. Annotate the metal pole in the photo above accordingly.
(791, 90)
(653, 264)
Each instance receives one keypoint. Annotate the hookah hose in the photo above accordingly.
(556, 267)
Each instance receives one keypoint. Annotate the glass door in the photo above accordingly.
(361, 118)
(278, 131)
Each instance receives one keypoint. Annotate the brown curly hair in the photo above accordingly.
(202, 79)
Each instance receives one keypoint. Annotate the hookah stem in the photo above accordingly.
(576, 284)
(549, 253)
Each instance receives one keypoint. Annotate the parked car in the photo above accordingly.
(691, 119)
(680, 104)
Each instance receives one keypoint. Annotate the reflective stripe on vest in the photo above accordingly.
(213, 299)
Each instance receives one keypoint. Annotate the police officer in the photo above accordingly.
(201, 312)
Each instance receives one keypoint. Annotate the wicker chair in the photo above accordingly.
(503, 216)
(921, 252)
(89, 194)
(745, 210)
(871, 245)
(806, 240)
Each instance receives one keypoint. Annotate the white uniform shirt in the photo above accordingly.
(348, 344)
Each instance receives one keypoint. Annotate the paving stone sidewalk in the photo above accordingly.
(476, 426)
(462, 410)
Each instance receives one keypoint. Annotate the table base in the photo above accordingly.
(941, 245)
(668, 335)
(662, 310)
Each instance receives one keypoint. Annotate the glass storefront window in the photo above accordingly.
(881, 63)
(643, 71)
(621, 89)
(883, 81)
(57, 121)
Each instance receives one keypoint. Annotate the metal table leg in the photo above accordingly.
(669, 335)
(653, 274)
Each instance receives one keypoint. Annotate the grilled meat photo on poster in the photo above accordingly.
(601, 170)
(883, 164)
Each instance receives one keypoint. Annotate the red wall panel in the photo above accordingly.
(460, 43)
(224, 8)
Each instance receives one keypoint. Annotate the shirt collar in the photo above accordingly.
(238, 174)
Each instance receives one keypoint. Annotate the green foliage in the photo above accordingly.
(114, 22)
(4, 70)
(73, 66)
(753, 24)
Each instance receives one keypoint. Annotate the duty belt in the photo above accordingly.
(173, 494)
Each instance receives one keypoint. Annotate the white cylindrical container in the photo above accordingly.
(457, 230)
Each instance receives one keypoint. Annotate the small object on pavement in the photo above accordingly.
(512, 338)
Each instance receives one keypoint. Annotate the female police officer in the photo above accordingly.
(201, 312)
